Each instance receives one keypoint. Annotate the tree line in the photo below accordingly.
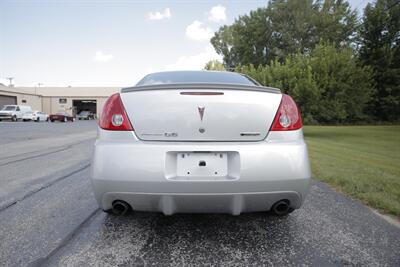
(339, 67)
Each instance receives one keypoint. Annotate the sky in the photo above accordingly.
(110, 43)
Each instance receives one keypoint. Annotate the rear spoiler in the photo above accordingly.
(201, 86)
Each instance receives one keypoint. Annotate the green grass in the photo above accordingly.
(360, 161)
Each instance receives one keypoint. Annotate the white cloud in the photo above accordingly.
(4, 81)
(166, 14)
(195, 62)
(101, 57)
(217, 14)
(198, 31)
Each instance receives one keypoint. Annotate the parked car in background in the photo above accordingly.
(28, 116)
(61, 116)
(14, 112)
(200, 141)
(40, 116)
(85, 115)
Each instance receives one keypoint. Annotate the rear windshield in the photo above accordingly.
(195, 77)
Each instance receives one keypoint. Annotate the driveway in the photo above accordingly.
(48, 217)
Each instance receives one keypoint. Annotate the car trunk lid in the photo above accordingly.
(201, 112)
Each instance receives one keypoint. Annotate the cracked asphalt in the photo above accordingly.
(48, 217)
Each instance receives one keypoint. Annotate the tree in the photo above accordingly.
(337, 23)
(380, 49)
(222, 42)
(345, 88)
(246, 41)
(214, 65)
(283, 28)
(294, 77)
(327, 84)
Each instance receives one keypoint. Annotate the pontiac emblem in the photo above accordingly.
(201, 112)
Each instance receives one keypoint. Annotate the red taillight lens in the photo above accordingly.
(113, 116)
(288, 117)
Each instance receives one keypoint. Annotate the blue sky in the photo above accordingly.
(109, 43)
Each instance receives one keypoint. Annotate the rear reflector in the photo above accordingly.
(288, 116)
(113, 116)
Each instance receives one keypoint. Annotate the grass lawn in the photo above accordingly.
(361, 161)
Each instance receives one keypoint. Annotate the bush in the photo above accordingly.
(327, 84)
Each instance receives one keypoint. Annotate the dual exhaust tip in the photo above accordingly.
(120, 207)
(280, 208)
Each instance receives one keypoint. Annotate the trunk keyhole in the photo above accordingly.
(202, 163)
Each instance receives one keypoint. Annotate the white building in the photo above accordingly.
(55, 99)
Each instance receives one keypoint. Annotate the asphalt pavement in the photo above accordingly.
(48, 217)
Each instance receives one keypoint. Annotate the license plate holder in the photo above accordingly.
(202, 164)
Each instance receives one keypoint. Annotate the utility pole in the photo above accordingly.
(38, 85)
(11, 81)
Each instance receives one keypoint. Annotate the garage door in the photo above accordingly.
(84, 105)
(7, 100)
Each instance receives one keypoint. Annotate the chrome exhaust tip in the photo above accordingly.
(120, 207)
(281, 208)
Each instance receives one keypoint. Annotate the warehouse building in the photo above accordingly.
(51, 100)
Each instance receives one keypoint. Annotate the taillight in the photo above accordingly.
(288, 116)
(113, 117)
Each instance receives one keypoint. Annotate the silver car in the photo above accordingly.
(200, 141)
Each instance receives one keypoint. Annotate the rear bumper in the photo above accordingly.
(139, 173)
(170, 203)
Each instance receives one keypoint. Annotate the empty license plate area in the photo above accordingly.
(208, 164)
(202, 165)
